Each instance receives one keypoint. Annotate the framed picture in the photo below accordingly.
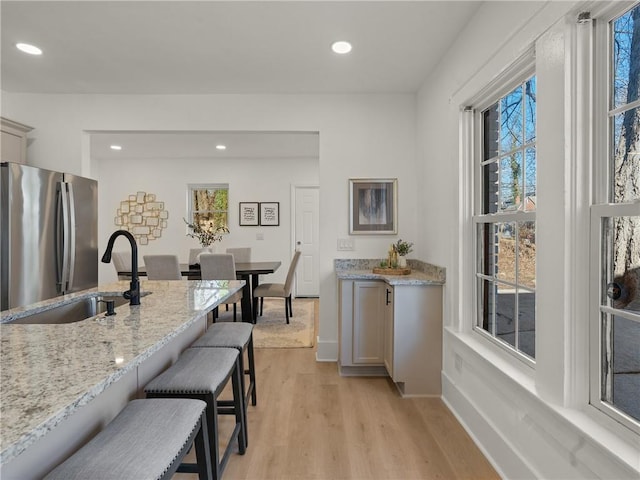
(373, 206)
(270, 214)
(248, 214)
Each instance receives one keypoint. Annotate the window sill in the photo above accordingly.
(497, 357)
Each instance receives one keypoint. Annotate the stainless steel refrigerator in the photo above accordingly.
(48, 234)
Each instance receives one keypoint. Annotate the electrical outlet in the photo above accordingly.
(345, 244)
(259, 236)
(458, 361)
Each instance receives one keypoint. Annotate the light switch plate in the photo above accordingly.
(346, 244)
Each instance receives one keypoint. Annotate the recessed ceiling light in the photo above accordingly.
(341, 47)
(221, 147)
(30, 49)
(115, 147)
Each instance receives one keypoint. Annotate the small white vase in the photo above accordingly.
(402, 261)
(204, 250)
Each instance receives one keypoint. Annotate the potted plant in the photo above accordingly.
(403, 248)
(206, 232)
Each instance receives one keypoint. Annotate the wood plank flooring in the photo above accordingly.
(312, 424)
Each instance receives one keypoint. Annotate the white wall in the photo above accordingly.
(531, 423)
(525, 421)
(250, 180)
(360, 136)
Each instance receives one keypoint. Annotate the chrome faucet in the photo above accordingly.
(133, 294)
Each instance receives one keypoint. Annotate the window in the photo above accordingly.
(209, 205)
(505, 221)
(615, 225)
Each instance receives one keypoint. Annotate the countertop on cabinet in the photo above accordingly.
(49, 371)
(362, 269)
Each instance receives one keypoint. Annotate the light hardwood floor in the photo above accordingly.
(311, 423)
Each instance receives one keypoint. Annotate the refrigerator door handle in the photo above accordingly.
(70, 240)
(63, 248)
(58, 239)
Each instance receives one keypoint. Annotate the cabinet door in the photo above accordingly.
(11, 148)
(14, 141)
(368, 322)
(388, 330)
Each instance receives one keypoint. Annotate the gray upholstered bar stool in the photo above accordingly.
(239, 336)
(203, 373)
(147, 440)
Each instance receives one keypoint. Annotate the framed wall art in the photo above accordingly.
(270, 214)
(248, 214)
(373, 206)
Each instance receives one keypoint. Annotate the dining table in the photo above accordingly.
(247, 271)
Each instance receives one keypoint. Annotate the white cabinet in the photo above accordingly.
(368, 323)
(14, 141)
(388, 330)
(362, 326)
(413, 338)
(394, 330)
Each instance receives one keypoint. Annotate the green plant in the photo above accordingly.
(403, 248)
(206, 232)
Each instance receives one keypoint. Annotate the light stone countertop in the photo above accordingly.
(49, 371)
(362, 269)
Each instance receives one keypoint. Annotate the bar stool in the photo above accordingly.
(238, 336)
(202, 373)
(147, 440)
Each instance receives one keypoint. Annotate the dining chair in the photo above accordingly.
(194, 252)
(162, 267)
(280, 290)
(241, 254)
(220, 266)
(122, 263)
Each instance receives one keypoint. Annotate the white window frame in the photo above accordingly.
(471, 132)
(204, 186)
(601, 208)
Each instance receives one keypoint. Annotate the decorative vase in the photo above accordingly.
(402, 261)
(204, 250)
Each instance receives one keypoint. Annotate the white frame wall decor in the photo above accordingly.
(142, 216)
(373, 206)
(269, 214)
(248, 214)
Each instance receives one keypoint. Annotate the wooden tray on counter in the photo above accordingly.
(392, 271)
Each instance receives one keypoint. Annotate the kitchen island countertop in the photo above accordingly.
(50, 371)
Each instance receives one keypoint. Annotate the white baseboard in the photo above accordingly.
(326, 350)
(502, 456)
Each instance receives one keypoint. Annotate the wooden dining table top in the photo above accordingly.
(242, 268)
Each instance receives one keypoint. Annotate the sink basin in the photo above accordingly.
(75, 311)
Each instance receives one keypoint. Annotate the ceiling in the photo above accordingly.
(199, 47)
(224, 47)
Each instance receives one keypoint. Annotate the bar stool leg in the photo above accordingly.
(252, 372)
(239, 408)
(202, 446)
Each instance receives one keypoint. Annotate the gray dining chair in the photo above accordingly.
(122, 263)
(194, 252)
(240, 254)
(220, 266)
(162, 267)
(280, 290)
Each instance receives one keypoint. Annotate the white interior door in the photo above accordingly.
(306, 238)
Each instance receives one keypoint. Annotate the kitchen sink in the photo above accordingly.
(75, 311)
